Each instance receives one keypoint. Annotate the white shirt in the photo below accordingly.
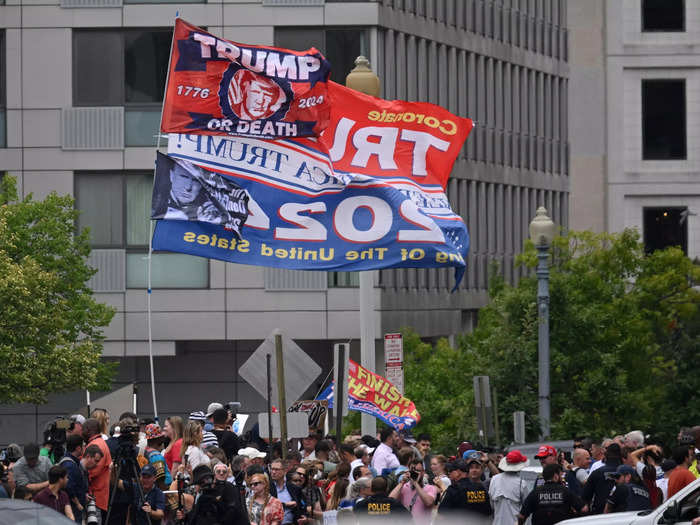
(507, 493)
(384, 457)
(596, 466)
(196, 456)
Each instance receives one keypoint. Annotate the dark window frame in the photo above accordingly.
(122, 32)
(645, 155)
(647, 212)
(643, 28)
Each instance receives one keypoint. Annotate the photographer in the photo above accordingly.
(414, 494)
(152, 506)
(214, 503)
(125, 451)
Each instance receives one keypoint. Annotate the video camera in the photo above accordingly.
(55, 431)
(233, 407)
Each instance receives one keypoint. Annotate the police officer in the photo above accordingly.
(213, 503)
(551, 502)
(629, 493)
(379, 506)
(467, 496)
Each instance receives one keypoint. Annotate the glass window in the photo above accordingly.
(663, 119)
(664, 227)
(99, 199)
(123, 68)
(98, 63)
(340, 46)
(663, 15)
(146, 56)
(116, 207)
(343, 279)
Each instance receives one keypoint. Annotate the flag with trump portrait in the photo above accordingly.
(368, 193)
(217, 86)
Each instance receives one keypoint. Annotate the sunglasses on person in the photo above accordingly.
(256, 483)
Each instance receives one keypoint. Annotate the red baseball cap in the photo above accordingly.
(544, 451)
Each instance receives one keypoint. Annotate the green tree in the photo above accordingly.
(51, 326)
(615, 314)
(624, 337)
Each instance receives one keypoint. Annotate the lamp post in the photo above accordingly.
(542, 230)
(363, 79)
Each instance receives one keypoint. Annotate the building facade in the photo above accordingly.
(635, 100)
(80, 104)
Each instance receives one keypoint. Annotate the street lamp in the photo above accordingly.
(363, 79)
(542, 231)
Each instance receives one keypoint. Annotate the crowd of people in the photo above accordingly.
(196, 470)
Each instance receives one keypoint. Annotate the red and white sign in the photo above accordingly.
(393, 359)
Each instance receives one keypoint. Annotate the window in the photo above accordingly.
(3, 119)
(117, 208)
(123, 68)
(663, 119)
(663, 15)
(340, 46)
(343, 279)
(664, 227)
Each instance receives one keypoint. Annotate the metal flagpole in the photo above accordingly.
(150, 242)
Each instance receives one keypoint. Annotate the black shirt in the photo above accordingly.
(228, 442)
(465, 496)
(218, 504)
(381, 506)
(629, 496)
(551, 503)
(598, 486)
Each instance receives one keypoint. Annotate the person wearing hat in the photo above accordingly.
(32, 470)
(152, 506)
(599, 484)
(552, 502)
(212, 503)
(213, 407)
(507, 490)
(466, 497)
(153, 453)
(629, 493)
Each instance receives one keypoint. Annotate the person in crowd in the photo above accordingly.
(263, 508)
(551, 502)
(227, 440)
(152, 506)
(362, 488)
(102, 416)
(379, 506)
(99, 476)
(629, 493)
(322, 453)
(438, 467)
(208, 438)
(466, 497)
(54, 495)
(342, 471)
(361, 453)
(667, 467)
(311, 493)
(423, 445)
(221, 471)
(290, 495)
(414, 492)
(31, 471)
(384, 457)
(337, 492)
(173, 430)
(599, 484)
(681, 476)
(346, 452)
(599, 455)
(77, 484)
(308, 446)
(192, 454)
(507, 490)
(153, 453)
(576, 473)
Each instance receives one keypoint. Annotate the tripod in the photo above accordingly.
(126, 457)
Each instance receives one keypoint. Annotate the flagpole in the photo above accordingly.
(149, 292)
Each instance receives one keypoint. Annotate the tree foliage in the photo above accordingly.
(624, 331)
(51, 326)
